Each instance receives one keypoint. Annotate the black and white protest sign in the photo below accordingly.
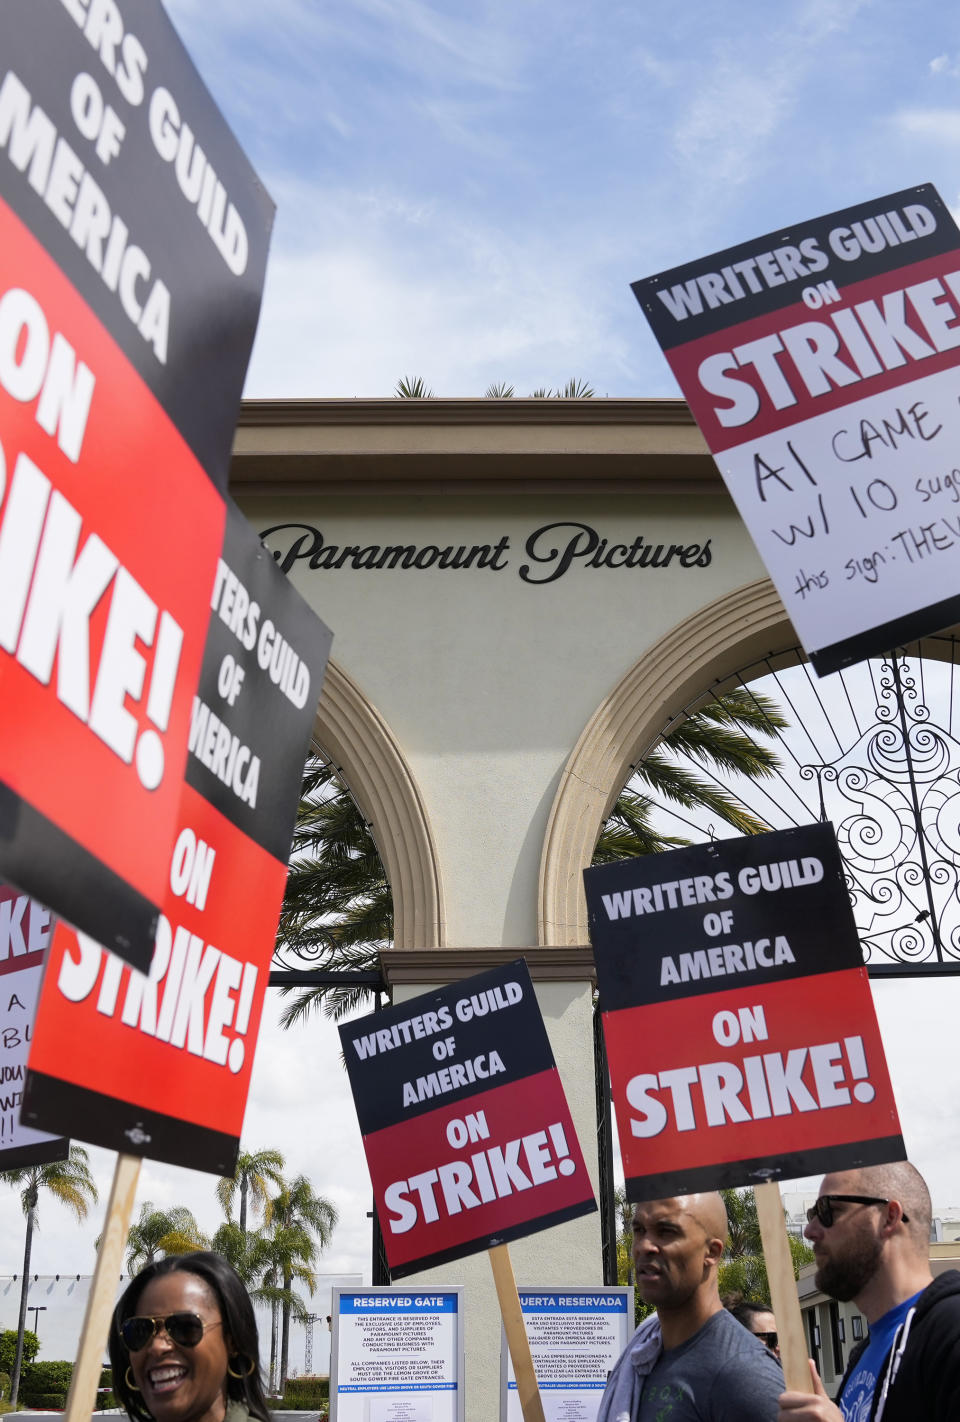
(466, 1128)
(741, 1033)
(820, 363)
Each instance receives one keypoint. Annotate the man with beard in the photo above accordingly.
(690, 1361)
(870, 1231)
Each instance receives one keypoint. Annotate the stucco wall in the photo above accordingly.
(487, 679)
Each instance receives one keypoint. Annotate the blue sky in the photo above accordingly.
(465, 193)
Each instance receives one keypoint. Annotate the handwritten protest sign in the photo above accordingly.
(466, 1129)
(25, 928)
(820, 364)
(159, 1064)
(134, 237)
(740, 1030)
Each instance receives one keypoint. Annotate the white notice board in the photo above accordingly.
(397, 1355)
(576, 1336)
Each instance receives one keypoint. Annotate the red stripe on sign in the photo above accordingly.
(109, 537)
(749, 1073)
(25, 929)
(466, 1171)
(776, 370)
(181, 1042)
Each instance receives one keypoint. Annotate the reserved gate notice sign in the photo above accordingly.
(740, 1028)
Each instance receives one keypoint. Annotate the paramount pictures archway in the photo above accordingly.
(522, 595)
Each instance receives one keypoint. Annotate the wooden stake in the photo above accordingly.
(783, 1288)
(517, 1341)
(82, 1398)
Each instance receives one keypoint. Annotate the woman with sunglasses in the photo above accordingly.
(183, 1344)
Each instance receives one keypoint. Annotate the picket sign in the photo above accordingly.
(783, 1288)
(82, 1398)
(528, 1390)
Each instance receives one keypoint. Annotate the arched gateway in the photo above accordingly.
(521, 593)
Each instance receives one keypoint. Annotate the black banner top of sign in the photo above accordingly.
(731, 913)
(767, 274)
(400, 1061)
(114, 155)
(263, 665)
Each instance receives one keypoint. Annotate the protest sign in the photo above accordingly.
(134, 238)
(466, 1129)
(741, 1033)
(24, 937)
(820, 364)
(159, 1064)
(397, 1356)
(576, 1337)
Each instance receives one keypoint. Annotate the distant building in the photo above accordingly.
(946, 1220)
(831, 1329)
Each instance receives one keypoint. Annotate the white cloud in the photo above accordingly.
(363, 289)
(943, 64)
(936, 125)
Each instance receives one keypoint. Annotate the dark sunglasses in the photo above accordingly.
(184, 1329)
(823, 1209)
(770, 1339)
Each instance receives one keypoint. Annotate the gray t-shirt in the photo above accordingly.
(722, 1374)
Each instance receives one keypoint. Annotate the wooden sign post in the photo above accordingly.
(82, 1398)
(528, 1390)
(783, 1288)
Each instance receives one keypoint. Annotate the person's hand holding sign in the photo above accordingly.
(801, 1407)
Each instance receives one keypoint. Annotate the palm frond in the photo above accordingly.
(412, 387)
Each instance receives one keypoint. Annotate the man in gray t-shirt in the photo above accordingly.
(700, 1365)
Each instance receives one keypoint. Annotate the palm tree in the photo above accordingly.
(300, 1221)
(575, 389)
(256, 1172)
(412, 387)
(722, 738)
(259, 1257)
(234, 1245)
(743, 1226)
(158, 1233)
(286, 1258)
(337, 909)
(743, 1270)
(68, 1181)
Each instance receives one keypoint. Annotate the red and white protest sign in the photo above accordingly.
(159, 1064)
(125, 329)
(466, 1129)
(741, 1033)
(25, 928)
(820, 364)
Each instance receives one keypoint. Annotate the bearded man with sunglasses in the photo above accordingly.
(870, 1232)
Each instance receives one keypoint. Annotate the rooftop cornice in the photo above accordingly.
(393, 411)
(294, 447)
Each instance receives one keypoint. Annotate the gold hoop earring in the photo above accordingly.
(128, 1379)
(247, 1373)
